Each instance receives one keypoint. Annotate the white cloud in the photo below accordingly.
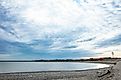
(57, 20)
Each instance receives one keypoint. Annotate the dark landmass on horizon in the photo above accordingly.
(94, 60)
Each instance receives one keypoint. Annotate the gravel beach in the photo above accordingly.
(108, 73)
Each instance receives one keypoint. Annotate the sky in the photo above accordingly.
(59, 29)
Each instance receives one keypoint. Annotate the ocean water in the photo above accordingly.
(7, 67)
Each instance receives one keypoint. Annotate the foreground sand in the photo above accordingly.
(109, 73)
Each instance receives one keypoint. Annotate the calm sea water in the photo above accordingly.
(6, 67)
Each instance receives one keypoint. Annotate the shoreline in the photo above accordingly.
(81, 66)
(113, 72)
(56, 71)
(88, 74)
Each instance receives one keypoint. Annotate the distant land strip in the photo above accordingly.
(107, 60)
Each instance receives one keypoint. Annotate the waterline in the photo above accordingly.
(7, 67)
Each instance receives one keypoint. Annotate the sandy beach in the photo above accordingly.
(109, 73)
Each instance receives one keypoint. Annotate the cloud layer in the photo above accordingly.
(59, 29)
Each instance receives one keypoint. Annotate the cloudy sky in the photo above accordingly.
(59, 29)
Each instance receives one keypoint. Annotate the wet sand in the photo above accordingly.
(108, 73)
